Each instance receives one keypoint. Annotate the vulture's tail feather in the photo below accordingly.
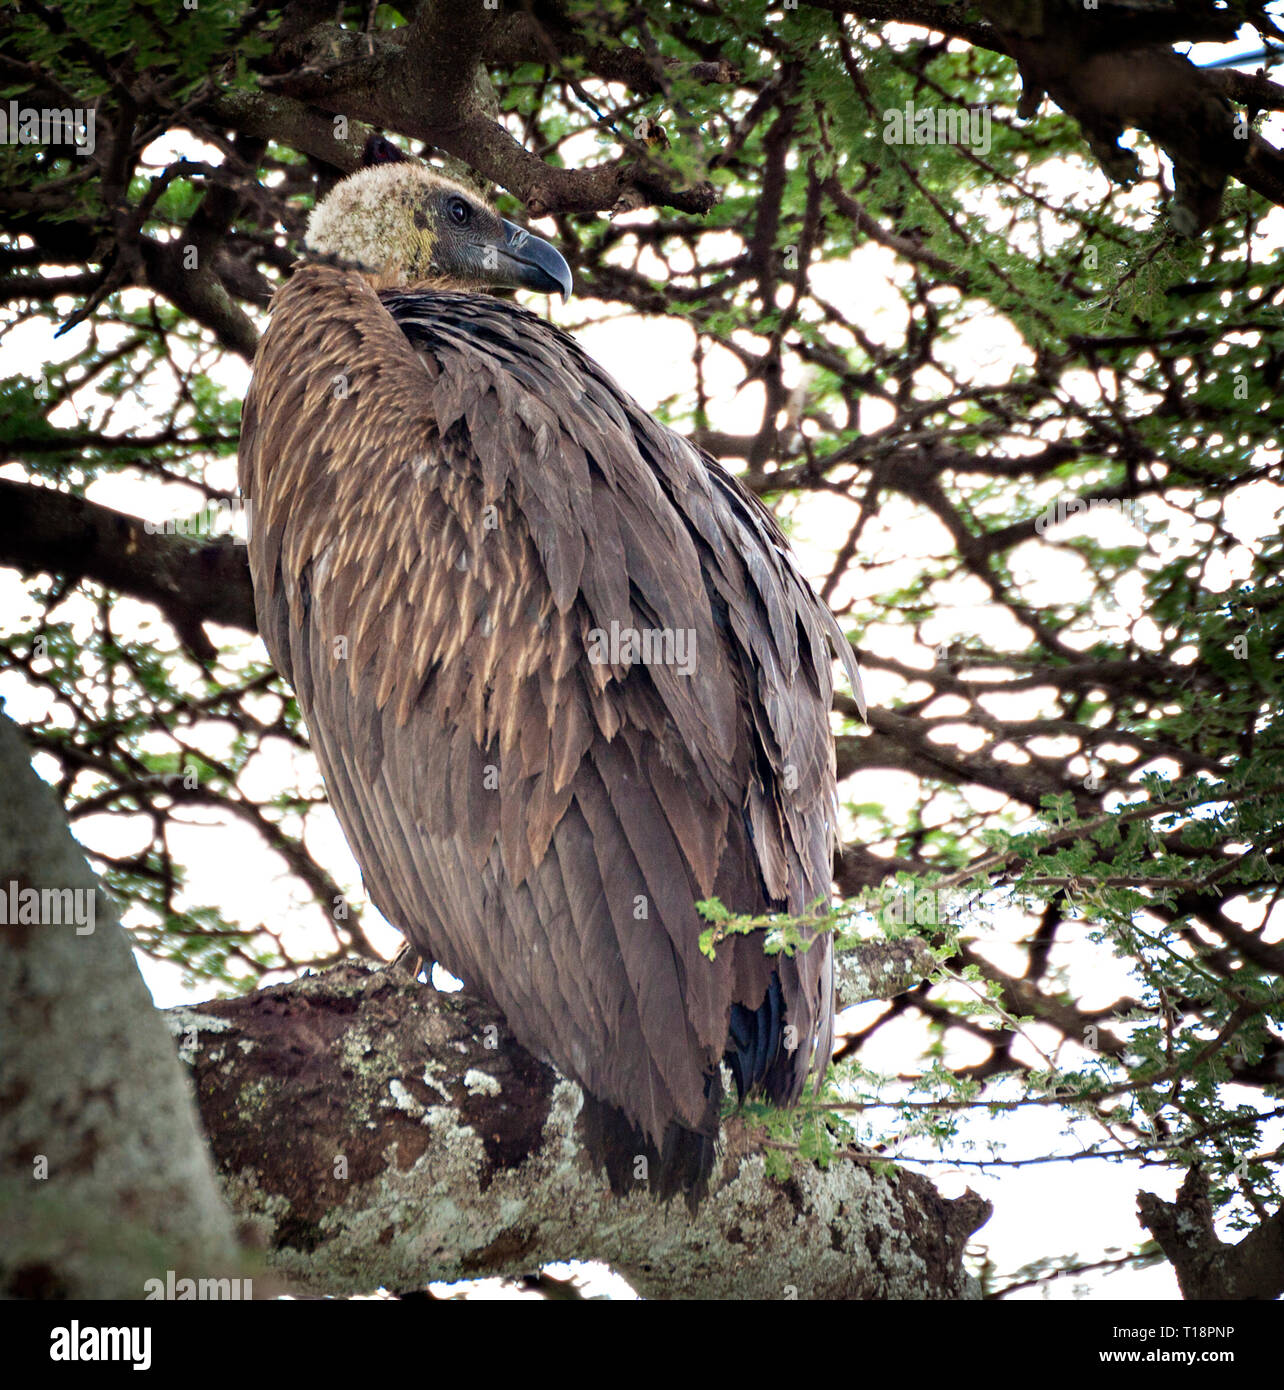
(755, 1050)
(680, 1166)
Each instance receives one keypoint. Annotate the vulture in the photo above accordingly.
(561, 672)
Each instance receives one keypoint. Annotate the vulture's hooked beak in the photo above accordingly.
(532, 264)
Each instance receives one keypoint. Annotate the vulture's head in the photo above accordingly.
(404, 224)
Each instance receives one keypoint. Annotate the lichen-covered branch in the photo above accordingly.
(1206, 1267)
(384, 1134)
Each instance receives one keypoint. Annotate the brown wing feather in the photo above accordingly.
(448, 497)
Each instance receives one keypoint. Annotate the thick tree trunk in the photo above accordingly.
(105, 1180)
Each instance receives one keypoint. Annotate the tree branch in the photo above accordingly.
(190, 581)
(363, 1122)
(1206, 1268)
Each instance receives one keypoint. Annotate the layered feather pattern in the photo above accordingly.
(454, 508)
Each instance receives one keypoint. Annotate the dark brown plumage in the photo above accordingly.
(452, 505)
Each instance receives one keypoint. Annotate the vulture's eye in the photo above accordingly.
(460, 212)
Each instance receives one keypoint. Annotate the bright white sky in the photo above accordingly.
(1045, 1209)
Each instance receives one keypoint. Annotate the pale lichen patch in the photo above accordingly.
(187, 1025)
(479, 1083)
(403, 1100)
